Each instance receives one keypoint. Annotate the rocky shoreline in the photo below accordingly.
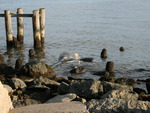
(37, 84)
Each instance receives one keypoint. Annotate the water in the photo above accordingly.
(86, 27)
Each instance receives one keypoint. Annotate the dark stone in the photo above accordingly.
(19, 64)
(104, 53)
(148, 85)
(36, 68)
(110, 67)
(144, 97)
(87, 59)
(31, 52)
(78, 70)
(2, 59)
(6, 70)
(121, 48)
(139, 91)
(63, 88)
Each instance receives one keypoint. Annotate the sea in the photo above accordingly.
(86, 27)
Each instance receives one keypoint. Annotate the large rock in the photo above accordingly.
(67, 107)
(5, 102)
(86, 88)
(8, 88)
(17, 83)
(35, 69)
(113, 86)
(62, 98)
(110, 105)
(121, 94)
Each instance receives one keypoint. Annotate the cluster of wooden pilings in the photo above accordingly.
(38, 20)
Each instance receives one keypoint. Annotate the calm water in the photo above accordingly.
(86, 27)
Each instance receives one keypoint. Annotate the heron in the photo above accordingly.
(66, 57)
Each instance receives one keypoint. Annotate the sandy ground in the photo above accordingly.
(68, 107)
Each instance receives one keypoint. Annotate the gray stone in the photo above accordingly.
(62, 98)
(16, 83)
(86, 88)
(45, 81)
(113, 86)
(121, 94)
(35, 69)
(67, 107)
(110, 105)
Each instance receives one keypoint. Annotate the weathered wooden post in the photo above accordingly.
(42, 24)
(20, 26)
(8, 26)
(36, 29)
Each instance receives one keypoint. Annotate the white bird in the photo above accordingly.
(66, 57)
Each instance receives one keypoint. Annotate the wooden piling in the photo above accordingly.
(8, 26)
(110, 67)
(20, 26)
(42, 24)
(36, 29)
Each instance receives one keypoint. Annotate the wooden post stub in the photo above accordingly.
(20, 26)
(104, 53)
(36, 29)
(110, 67)
(31, 52)
(8, 26)
(19, 64)
(42, 24)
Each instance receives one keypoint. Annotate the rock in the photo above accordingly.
(17, 83)
(104, 53)
(86, 88)
(9, 89)
(111, 105)
(145, 97)
(110, 67)
(6, 70)
(139, 91)
(67, 107)
(45, 81)
(61, 79)
(39, 93)
(78, 70)
(63, 88)
(62, 98)
(87, 59)
(19, 64)
(121, 94)
(148, 85)
(5, 101)
(2, 59)
(121, 48)
(35, 69)
(113, 86)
